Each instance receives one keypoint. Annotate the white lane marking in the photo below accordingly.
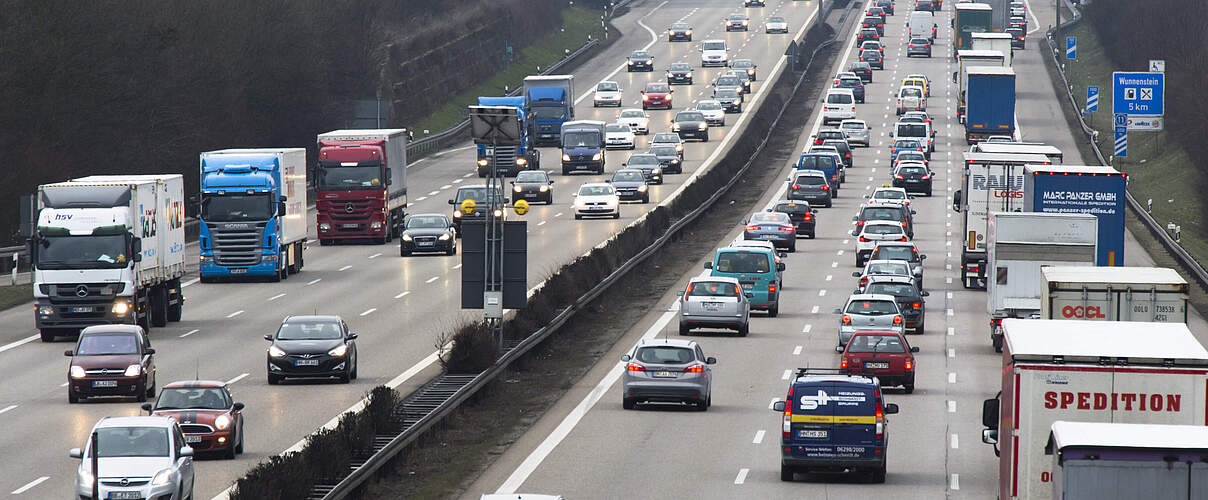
(785, 376)
(950, 295)
(64, 384)
(840, 252)
(376, 255)
(421, 198)
(542, 223)
(29, 485)
(190, 332)
(401, 295)
(814, 310)
(434, 278)
(236, 313)
(190, 282)
(951, 312)
(316, 280)
(821, 293)
(369, 311)
(951, 352)
(345, 268)
(797, 351)
(948, 280)
(951, 377)
(446, 186)
(471, 173)
(534, 459)
(275, 297)
(742, 476)
(835, 264)
(7, 408)
(807, 328)
(845, 241)
(951, 406)
(829, 277)
(955, 484)
(19, 343)
(955, 442)
(758, 437)
(434, 193)
(951, 330)
(458, 266)
(236, 379)
(457, 181)
(559, 214)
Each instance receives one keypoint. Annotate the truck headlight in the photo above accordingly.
(133, 370)
(444, 237)
(482, 162)
(275, 351)
(565, 157)
(205, 258)
(543, 188)
(521, 161)
(222, 422)
(498, 213)
(121, 307)
(597, 156)
(407, 237)
(375, 225)
(77, 371)
(457, 214)
(45, 311)
(323, 226)
(162, 478)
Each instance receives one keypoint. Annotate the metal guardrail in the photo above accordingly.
(1185, 259)
(440, 396)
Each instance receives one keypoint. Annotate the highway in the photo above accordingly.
(587, 446)
(397, 305)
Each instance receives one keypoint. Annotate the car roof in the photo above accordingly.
(666, 341)
(641, 155)
(853, 379)
(861, 122)
(135, 421)
(728, 279)
(894, 278)
(897, 244)
(893, 223)
(428, 214)
(869, 296)
(887, 261)
(839, 91)
(810, 173)
(191, 384)
(319, 317)
(106, 329)
(740, 242)
(628, 171)
(594, 184)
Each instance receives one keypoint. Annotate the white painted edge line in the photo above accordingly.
(190, 282)
(29, 485)
(7, 408)
(19, 343)
(236, 379)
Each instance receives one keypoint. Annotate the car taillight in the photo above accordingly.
(772, 286)
(916, 305)
(808, 217)
(898, 176)
(788, 415)
(853, 109)
(863, 239)
(903, 239)
(903, 224)
(786, 228)
(738, 289)
(688, 291)
(912, 45)
(796, 187)
(846, 319)
(635, 367)
(695, 369)
(834, 177)
(909, 364)
(925, 176)
(996, 321)
(825, 187)
(897, 320)
(843, 363)
(859, 223)
(752, 228)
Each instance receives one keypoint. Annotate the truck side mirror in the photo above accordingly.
(990, 412)
(281, 207)
(891, 408)
(389, 179)
(452, 202)
(954, 77)
(136, 249)
(956, 201)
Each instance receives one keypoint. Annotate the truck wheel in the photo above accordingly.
(877, 475)
(144, 321)
(47, 334)
(159, 305)
(175, 311)
(628, 404)
(997, 341)
(276, 277)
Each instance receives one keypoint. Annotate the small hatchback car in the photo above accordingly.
(210, 419)
(868, 312)
(667, 371)
(776, 227)
(138, 457)
(886, 355)
(714, 302)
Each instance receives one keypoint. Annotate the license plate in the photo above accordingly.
(530, 195)
(306, 362)
(748, 286)
(712, 306)
(238, 271)
(192, 439)
(82, 309)
(811, 434)
(350, 226)
(876, 365)
(581, 167)
(664, 374)
(104, 383)
(125, 495)
(426, 243)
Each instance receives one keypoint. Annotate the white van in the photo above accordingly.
(922, 25)
(714, 53)
(838, 105)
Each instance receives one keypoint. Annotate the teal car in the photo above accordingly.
(756, 269)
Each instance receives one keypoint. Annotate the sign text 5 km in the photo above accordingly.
(1136, 93)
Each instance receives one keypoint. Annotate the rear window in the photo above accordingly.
(894, 253)
(872, 307)
(852, 125)
(712, 289)
(743, 262)
(795, 208)
(816, 162)
(890, 195)
(810, 180)
(837, 98)
(665, 355)
(882, 214)
(870, 54)
(876, 343)
(895, 289)
(891, 268)
(830, 134)
(882, 229)
(911, 130)
(912, 170)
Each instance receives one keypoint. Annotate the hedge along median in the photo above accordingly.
(293, 474)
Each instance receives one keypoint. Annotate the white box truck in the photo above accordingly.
(108, 249)
(1106, 461)
(1000, 42)
(1020, 244)
(1082, 371)
(1114, 294)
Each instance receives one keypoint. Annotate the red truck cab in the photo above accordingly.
(360, 184)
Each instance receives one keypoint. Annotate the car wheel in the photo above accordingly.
(274, 379)
(773, 311)
(828, 203)
(355, 366)
(142, 396)
(859, 262)
(920, 329)
(628, 403)
(786, 473)
(928, 192)
(701, 405)
(239, 447)
(684, 330)
(403, 253)
(646, 199)
(744, 330)
(793, 247)
(812, 234)
(909, 388)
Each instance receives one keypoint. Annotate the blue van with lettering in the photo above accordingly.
(756, 269)
(834, 421)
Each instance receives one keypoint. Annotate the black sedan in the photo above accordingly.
(730, 99)
(648, 164)
(428, 233)
(906, 294)
(691, 124)
(680, 73)
(737, 22)
(862, 70)
(874, 58)
(804, 218)
(669, 158)
(855, 84)
(641, 60)
(631, 185)
(679, 32)
(533, 186)
(913, 177)
(744, 65)
(312, 347)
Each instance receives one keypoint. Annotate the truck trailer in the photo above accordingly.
(1021, 244)
(1153, 294)
(966, 60)
(1082, 189)
(1026, 148)
(551, 101)
(1113, 461)
(361, 185)
(253, 213)
(1083, 371)
(108, 249)
(989, 103)
(969, 18)
(1000, 42)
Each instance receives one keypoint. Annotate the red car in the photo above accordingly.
(210, 419)
(656, 95)
(885, 355)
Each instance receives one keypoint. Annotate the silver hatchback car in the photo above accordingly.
(867, 311)
(856, 132)
(776, 227)
(714, 302)
(139, 457)
(667, 371)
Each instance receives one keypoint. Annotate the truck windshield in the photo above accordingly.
(359, 177)
(580, 140)
(547, 112)
(83, 252)
(236, 208)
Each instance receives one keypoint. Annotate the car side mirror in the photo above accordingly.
(891, 408)
(837, 311)
(912, 212)
(269, 337)
(551, 183)
(839, 348)
(237, 407)
(854, 233)
(926, 293)
(708, 265)
(710, 360)
(150, 350)
(68, 353)
(855, 274)
(679, 293)
(512, 183)
(867, 196)
(923, 257)
(626, 358)
(777, 407)
(953, 77)
(782, 254)
(780, 266)
(352, 336)
(75, 453)
(146, 407)
(854, 219)
(186, 451)
(749, 295)
(990, 413)
(914, 349)
(608, 181)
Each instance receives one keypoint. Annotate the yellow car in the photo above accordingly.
(918, 81)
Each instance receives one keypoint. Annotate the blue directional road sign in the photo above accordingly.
(1071, 47)
(1092, 98)
(1136, 93)
(1121, 149)
(1120, 119)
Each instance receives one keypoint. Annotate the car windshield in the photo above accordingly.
(580, 140)
(810, 180)
(642, 160)
(715, 46)
(776, 20)
(708, 105)
(336, 176)
(427, 221)
(632, 113)
(83, 252)
(478, 194)
(680, 26)
(712, 289)
(658, 88)
(895, 252)
(608, 86)
(816, 162)
(852, 125)
(617, 128)
(793, 207)
(871, 307)
(236, 207)
(595, 190)
(912, 130)
(876, 343)
(663, 151)
(742, 262)
(533, 175)
(882, 229)
(881, 214)
(681, 67)
(638, 54)
(895, 289)
(728, 81)
(628, 176)
(737, 17)
(742, 64)
(686, 116)
(131, 442)
(889, 195)
(665, 355)
(105, 345)
(726, 94)
(199, 398)
(310, 330)
(893, 268)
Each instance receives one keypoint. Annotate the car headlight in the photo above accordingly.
(631, 63)
(77, 371)
(688, 32)
(656, 171)
(704, 126)
(162, 478)
(565, 157)
(406, 237)
(133, 370)
(498, 213)
(338, 351)
(516, 188)
(669, 75)
(679, 148)
(222, 422)
(457, 214)
(121, 307)
(597, 156)
(543, 188)
(750, 72)
(674, 161)
(642, 188)
(675, 127)
(275, 351)
(444, 237)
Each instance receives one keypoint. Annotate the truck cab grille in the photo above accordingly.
(237, 246)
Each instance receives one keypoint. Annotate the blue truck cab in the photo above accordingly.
(756, 269)
(834, 420)
(253, 213)
(824, 162)
(510, 159)
(550, 100)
